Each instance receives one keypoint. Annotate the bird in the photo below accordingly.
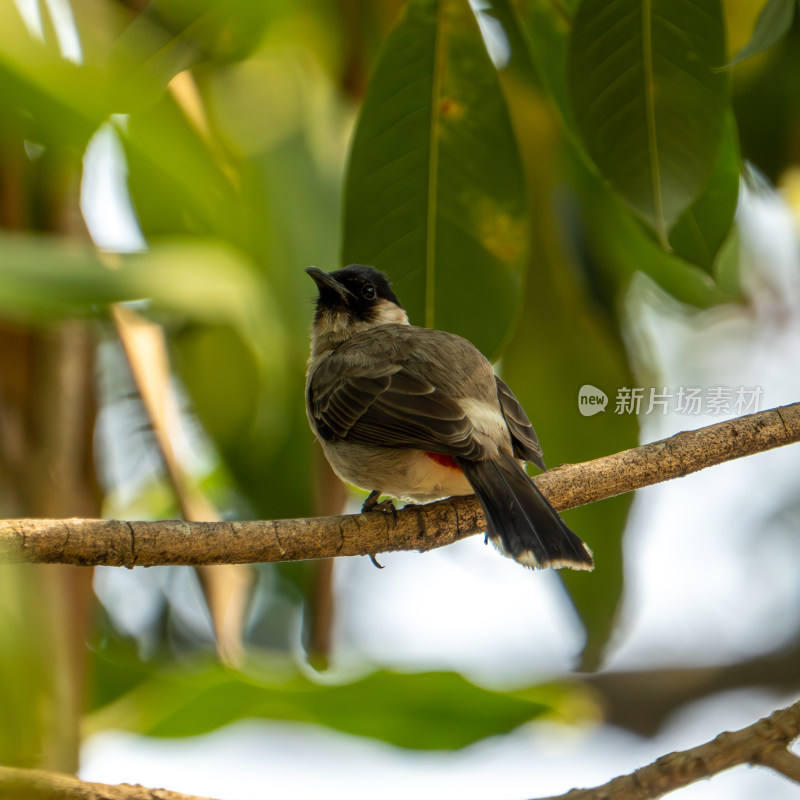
(419, 414)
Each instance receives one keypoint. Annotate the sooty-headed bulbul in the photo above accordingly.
(419, 414)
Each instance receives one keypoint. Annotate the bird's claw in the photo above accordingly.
(387, 507)
(372, 504)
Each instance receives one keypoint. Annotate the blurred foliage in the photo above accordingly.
(512, 178)
(29, 691)
(773, 23)
(429, 710)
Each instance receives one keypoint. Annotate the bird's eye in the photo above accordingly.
(368, 291)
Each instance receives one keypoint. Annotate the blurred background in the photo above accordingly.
(167, 170)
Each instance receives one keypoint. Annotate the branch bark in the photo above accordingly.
(764, 743)
(91, 542)
(38, 784)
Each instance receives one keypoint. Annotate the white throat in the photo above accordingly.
(335, 326)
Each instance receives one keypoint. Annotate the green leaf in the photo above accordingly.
(176, 180)
(773, 23)
(619, 245)
(545, 26)
(435, 193)
(61, 102)
(648, 100)
(430, 710)
(226, 31)
(168, 37)
(42, 278)
(698, 235)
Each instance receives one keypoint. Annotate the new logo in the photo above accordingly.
(591, 400)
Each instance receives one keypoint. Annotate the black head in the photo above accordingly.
(359, 290)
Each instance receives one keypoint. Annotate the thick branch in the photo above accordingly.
(765, 742)
(36, 784)
(115, 543)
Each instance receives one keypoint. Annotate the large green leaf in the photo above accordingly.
(700, 231)
(649, 98)
(434, 191)
(430, 710)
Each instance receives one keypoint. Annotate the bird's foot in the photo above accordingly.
(372, 504)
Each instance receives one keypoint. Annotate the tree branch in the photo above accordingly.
(92, 542)
(781, 760)
(763, 743)
(37, 784)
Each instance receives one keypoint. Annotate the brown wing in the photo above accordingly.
(381, 390)
(523, 436)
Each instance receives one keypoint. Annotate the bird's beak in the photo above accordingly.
(326, 281)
